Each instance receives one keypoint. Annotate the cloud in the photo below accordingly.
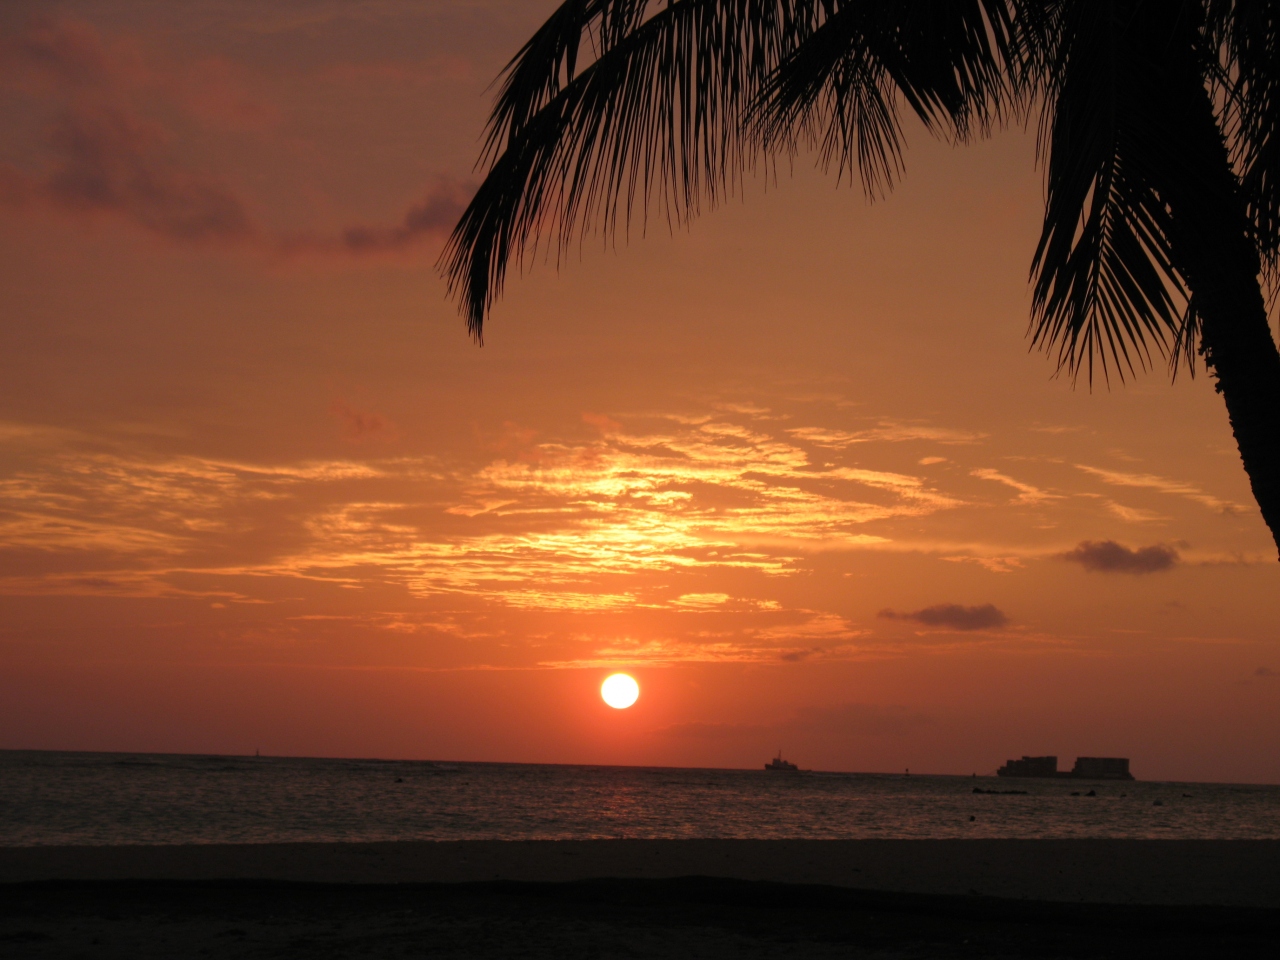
(1056, 429)
(103, 156)
(111, 161)
(601, 422)
(1177, 488)
(953, 616)
(889, 431)
(1132, 514)
(1026, 492)
(64, 53)
(358, 426)
(994, 564)
(1107, 556)
(433, 216)
(753, 410)
(549, 525)
(108, 152)
(701, 601)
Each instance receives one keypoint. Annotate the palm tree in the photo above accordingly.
(1160, 129)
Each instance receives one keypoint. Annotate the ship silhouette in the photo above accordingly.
(784, 766)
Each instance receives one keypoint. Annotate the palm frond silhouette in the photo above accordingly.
(1159, 131)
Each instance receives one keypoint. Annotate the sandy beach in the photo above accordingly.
(712, 898)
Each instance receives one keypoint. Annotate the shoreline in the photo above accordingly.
(1209, 873)
(990, 774)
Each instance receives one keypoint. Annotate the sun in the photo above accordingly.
(619, 691)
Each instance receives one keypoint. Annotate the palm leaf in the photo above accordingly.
(1106, 287)
(653, 115)
(662, 111)
(1246, 34)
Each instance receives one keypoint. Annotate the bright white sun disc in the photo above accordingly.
(619, 691)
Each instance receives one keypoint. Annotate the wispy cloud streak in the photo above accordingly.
(1178, 488)
(542, 531)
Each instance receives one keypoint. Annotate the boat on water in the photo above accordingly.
(784, 766)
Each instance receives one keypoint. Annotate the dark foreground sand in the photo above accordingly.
(700, 898)
(1192, 872)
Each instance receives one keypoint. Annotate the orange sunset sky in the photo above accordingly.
(794, 468)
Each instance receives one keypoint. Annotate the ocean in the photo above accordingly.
(106, 798)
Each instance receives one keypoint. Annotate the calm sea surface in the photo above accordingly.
(96, 798)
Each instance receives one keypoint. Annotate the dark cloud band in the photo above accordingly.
(1107, 556)
(953, 616)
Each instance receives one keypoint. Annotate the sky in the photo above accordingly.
(796, 468)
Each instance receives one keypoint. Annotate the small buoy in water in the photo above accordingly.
(399, 779)
(1158, 803)
(1092, 793)
(971, 819)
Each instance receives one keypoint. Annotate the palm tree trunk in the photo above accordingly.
(1239, 350)
(1214, 252)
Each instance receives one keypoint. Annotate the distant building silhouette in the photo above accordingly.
(1030, 767)
(1086, 768)
(1102, 768)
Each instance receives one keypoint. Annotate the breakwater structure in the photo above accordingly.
(1086, 768)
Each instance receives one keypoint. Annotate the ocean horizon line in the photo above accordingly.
(441, 761)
